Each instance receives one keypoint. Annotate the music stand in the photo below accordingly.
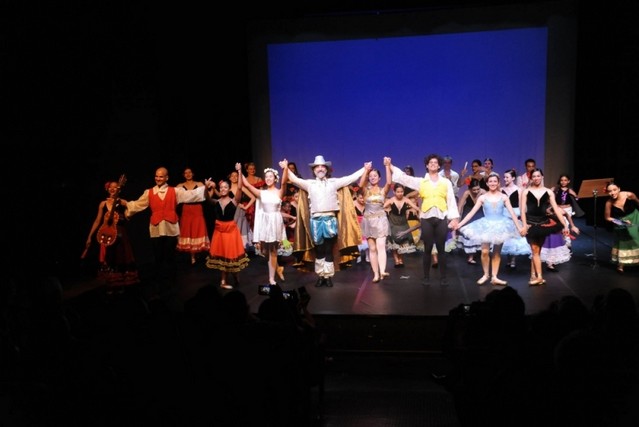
(593, 188)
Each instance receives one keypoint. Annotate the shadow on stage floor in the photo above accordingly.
(399, 312)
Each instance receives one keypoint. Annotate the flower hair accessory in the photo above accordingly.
(274, 172)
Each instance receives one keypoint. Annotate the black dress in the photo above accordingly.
(541, 223)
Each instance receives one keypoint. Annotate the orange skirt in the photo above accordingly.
(227, 250)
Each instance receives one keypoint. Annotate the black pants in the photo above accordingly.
(434, 230)
(164, 269)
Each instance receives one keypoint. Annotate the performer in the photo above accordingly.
(326, 217)
(567, 200)
(401, 240)
(535, 200)
(519, 245)
(117, 262)
(622, 210)
(194, 237)
(268, 228)
(227, 252)
(438, 211)
(493, 229)
(164, 226)
(375, 225)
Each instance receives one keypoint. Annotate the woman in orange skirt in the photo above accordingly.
(227, 252)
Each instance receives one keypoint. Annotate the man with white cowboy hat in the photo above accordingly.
(325, 213)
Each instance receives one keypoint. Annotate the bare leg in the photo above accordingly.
(496, 261)
(372, 254)
(382, 256)
(485, 258)
(272, 265)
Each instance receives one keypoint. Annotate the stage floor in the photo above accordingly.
(402, 294)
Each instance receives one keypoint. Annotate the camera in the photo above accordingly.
(297, 295)
(264, 289)
(274, 290)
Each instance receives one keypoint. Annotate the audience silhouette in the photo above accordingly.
(127, 361)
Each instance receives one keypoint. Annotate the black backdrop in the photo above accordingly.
(99, 89)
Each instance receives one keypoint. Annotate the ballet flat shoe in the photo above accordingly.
(482, 280)
(498, 282)
(537, 282)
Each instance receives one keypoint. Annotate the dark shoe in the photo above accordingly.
(328, 282)
(443, 281)
(426, 281)
(320, 282)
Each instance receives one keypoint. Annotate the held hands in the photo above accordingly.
(283, 164)
(368, 166)
(387, 161)
(209, 183)
(238, 167)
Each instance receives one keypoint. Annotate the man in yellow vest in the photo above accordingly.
(438, 211)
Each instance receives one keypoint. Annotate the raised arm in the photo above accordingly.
(247, 185)
(363, 179)
(284, 179)
(301, 183)
(347, 180)
(237, 197)
(389, 175)
(399, 176)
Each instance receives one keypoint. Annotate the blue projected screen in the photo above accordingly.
(471, 95)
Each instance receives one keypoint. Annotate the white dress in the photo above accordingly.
(269, 225)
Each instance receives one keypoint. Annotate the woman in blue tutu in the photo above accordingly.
(493, 229)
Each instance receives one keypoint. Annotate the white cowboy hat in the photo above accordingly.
(319, 160)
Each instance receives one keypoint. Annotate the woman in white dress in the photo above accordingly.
(268, 226)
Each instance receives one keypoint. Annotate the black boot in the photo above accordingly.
(328, 282)
(320, 282)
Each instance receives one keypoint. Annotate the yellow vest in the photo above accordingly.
(436, 196)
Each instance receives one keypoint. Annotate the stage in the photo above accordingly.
(399, 313)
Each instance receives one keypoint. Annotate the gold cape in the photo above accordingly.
(349, 233)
